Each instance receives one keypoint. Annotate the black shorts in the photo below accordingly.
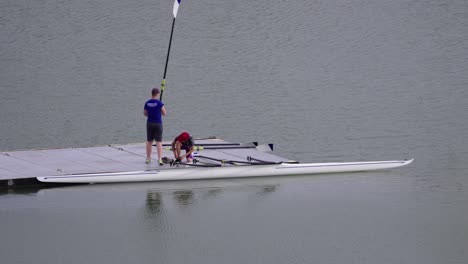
(154, 132)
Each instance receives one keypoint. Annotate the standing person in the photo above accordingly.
(183, 141)
(154, 128)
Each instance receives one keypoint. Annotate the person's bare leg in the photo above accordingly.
(189, 157)
(149, 146)
(178, 150)
(159, 147)
(173, 146)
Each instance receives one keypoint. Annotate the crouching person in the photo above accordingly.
(183, 142)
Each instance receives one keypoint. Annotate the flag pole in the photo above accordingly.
(163, 83)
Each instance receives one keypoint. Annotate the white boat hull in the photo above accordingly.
(195, 173)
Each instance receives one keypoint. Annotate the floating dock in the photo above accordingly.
(20, 168)
(215, 158)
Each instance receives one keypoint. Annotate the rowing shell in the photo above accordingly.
(195, 173)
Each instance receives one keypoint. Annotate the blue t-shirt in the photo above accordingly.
(153, 107)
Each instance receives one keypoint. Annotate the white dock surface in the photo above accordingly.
(113, 158)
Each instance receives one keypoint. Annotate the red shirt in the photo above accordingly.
(183, 137)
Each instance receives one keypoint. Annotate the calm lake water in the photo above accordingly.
(339, 80)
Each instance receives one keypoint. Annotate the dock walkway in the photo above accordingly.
(17, 166)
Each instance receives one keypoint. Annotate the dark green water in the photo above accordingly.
(322, 80)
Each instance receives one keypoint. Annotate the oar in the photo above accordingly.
(197, 165)
(233, 162)
(222, 161)
(194, 148)
(163, 83)
(250, 158)
(194, 164)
